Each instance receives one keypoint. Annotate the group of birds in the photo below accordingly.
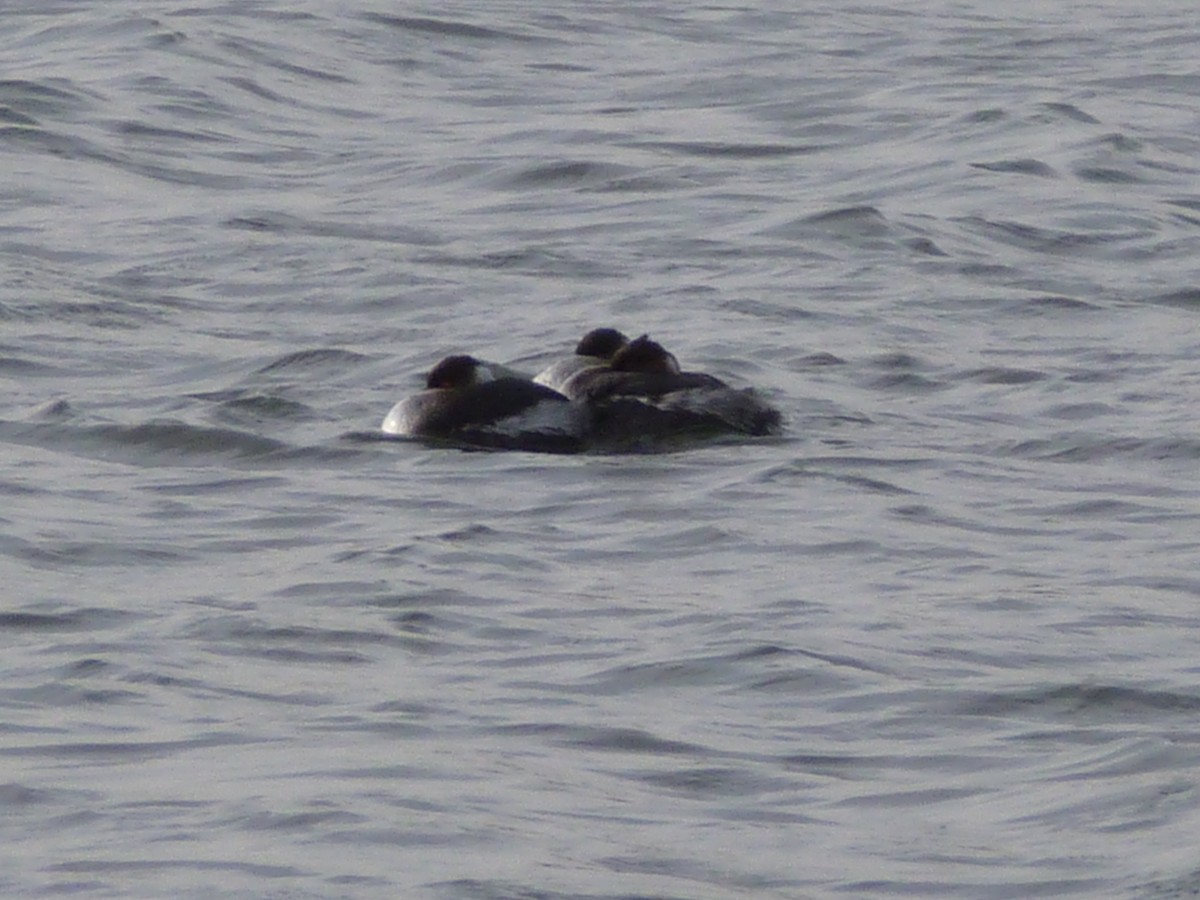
(613, 395)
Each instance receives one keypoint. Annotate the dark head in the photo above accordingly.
(601, 342)
(455, 372)
(646, 356)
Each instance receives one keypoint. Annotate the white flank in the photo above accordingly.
(499, 370)
(403, 418)
(557, 374)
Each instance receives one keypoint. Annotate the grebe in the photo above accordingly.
(596, 348)
(465, 403)
(641, 397)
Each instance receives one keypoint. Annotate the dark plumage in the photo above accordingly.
(594, 349)
(463, 404)
(602, 343)
(642, 398)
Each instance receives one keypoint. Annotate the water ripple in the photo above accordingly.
(938, 639)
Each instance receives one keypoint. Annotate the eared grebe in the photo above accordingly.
(594, 349)
(465, 403)
(642, 398)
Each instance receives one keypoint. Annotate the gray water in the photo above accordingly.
(938, 640)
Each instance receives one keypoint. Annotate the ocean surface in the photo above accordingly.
(940, 639)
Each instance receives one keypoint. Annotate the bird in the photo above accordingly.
(465, 403)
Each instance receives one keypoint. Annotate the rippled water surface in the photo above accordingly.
(937, 640)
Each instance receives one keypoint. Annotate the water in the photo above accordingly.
(936, 641)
